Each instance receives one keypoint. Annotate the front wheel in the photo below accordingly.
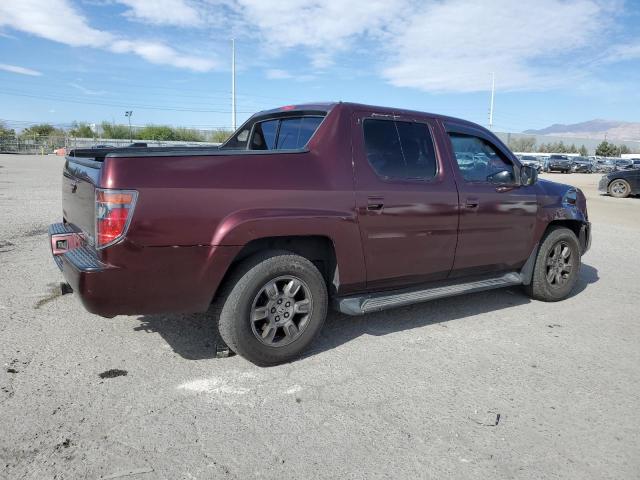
(619, 188)
(272, 307)
(557, 266)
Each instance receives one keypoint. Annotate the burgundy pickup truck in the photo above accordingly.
(357, 207)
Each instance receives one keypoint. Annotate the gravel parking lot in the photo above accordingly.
(490, 385)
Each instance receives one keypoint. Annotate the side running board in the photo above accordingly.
(374, 302)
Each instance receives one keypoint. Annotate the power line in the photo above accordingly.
(121, 105)
(225, 94)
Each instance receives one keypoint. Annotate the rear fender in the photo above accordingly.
(240, 228)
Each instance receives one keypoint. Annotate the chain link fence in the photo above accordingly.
(48, 144)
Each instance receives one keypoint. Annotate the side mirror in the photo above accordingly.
(503, 177)
(528, 175)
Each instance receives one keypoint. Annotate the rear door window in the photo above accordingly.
(417, 149)
(398, 149)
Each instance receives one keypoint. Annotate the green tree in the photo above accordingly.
(583, 151)
(220, 135)
(523, 144)
(156, 132)
(606, 149)
(42, 129)
(624, 149)
(573, 148)
(6, 132)
(115, 131)
(188, 135)
(81, 130)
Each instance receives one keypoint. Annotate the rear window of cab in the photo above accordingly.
(278, 134)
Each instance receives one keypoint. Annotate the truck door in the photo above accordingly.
(497, 214)
(406, 199)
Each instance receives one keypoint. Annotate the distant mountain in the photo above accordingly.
(614, 130)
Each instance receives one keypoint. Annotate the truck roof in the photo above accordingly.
(328, 106)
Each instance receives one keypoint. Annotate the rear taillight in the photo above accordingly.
(114, 209)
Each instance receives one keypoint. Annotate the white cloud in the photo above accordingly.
(622, 52)
(19, 70)
(58, 21)
(322, 25)
(161, 54)
(454, 46)
(163, 12)
(450, 45)
(85, 90)
(430, 45)
(277, 74)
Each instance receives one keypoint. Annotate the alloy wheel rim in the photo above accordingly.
(281, 310)
(559, 264)
(619, 188)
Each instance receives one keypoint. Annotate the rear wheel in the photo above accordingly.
(557, 266)
(619, 188)
(272, 308)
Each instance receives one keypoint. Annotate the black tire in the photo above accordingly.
(619, 188)
(562, 282)
(248, 284)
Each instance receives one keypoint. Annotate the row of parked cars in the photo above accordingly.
(568, 164)
(621, 175)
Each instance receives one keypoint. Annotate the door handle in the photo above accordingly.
(375, 203)
(472, 203)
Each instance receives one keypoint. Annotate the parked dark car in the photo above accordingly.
(559, 163)
(138, 145)
(604, 165)
(621, 183)
(531, 161)
(581, 165)
(305, 207)
(624, 164)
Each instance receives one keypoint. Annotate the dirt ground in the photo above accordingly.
(486, 386)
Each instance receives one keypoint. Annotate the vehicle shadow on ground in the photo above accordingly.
(193, 336)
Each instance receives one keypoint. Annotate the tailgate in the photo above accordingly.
(79, 179)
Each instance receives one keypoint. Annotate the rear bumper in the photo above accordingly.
(127, 279)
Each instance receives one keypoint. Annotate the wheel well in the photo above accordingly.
(577, 227)
(315, 248)
(574, 225)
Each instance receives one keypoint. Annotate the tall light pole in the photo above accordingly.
(233, 84)
(493, 92)
(128, 114)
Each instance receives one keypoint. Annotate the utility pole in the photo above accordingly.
(128, 114)
(233, 84)
(493, 92)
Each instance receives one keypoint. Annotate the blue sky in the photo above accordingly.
(555, 61)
